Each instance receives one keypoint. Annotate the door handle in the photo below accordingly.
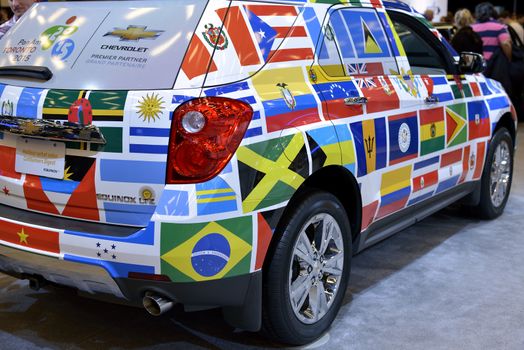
(354, 101)
(431, 100)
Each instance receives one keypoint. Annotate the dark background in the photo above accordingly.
(454, 5)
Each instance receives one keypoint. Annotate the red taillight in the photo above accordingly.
(205, 133)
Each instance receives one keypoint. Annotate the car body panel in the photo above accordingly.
(268, 55)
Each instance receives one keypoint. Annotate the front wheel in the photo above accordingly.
(497, 176)
(307, 276)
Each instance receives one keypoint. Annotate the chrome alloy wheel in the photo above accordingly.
(316, 268)
(500, 173)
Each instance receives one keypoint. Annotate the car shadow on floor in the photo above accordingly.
(378, 262)
(58, 318)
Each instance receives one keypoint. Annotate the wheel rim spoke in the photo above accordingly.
(334, 265)
(318, 302)
(299, 290)
(304, 250)
(327, 235)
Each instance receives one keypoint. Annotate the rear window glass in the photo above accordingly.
(103, 45)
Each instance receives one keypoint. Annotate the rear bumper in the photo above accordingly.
(87, 278)
(227, 292)
(99, 265)
(240, 297)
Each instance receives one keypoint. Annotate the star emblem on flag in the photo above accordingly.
(23, 237)
(106, 250)
(264, 33)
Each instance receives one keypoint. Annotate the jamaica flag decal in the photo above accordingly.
(271, 171)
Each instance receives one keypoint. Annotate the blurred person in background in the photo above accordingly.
(466, 39)
(4, 15)
(448, 18)
(429, 14)
(503, 51)
(506, 18)
(494, 34)
(520, 19)
(19, 7)
(516, 69)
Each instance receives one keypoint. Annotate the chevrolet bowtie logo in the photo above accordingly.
(135, 33)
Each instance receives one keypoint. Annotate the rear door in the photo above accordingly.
(359, 78)
(449, 152)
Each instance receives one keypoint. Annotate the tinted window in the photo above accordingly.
(421, 46)
(356, 39)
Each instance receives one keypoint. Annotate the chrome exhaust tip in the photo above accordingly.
(36, 282)
(155, 304)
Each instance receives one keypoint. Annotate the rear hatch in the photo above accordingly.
(103, 70)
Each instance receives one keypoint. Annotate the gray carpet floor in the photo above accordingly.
(449, 282)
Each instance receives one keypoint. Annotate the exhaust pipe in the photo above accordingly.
(155, 304)
(36, 282)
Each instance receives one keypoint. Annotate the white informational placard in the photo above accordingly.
(40, 157)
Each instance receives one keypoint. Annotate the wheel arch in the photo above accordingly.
(506, 121)
(341, 183)
(338, 181)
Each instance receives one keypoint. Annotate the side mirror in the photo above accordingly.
(471, 63)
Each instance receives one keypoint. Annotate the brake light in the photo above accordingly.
(205, 133)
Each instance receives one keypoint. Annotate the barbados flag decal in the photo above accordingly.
(431, 130)
(456, 125)
(370, 142)
(206, 251)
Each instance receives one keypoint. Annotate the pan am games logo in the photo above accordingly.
(58, 32)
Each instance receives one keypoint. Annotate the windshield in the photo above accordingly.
(110, 45)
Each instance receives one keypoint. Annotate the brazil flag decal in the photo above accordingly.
(206, 251)
(271, 171)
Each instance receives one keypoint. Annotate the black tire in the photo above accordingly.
(489, 208)
(279, 318)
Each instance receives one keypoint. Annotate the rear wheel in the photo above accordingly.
(497, 176)
(307, 275)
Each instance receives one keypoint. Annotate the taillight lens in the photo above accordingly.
(205, 133)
